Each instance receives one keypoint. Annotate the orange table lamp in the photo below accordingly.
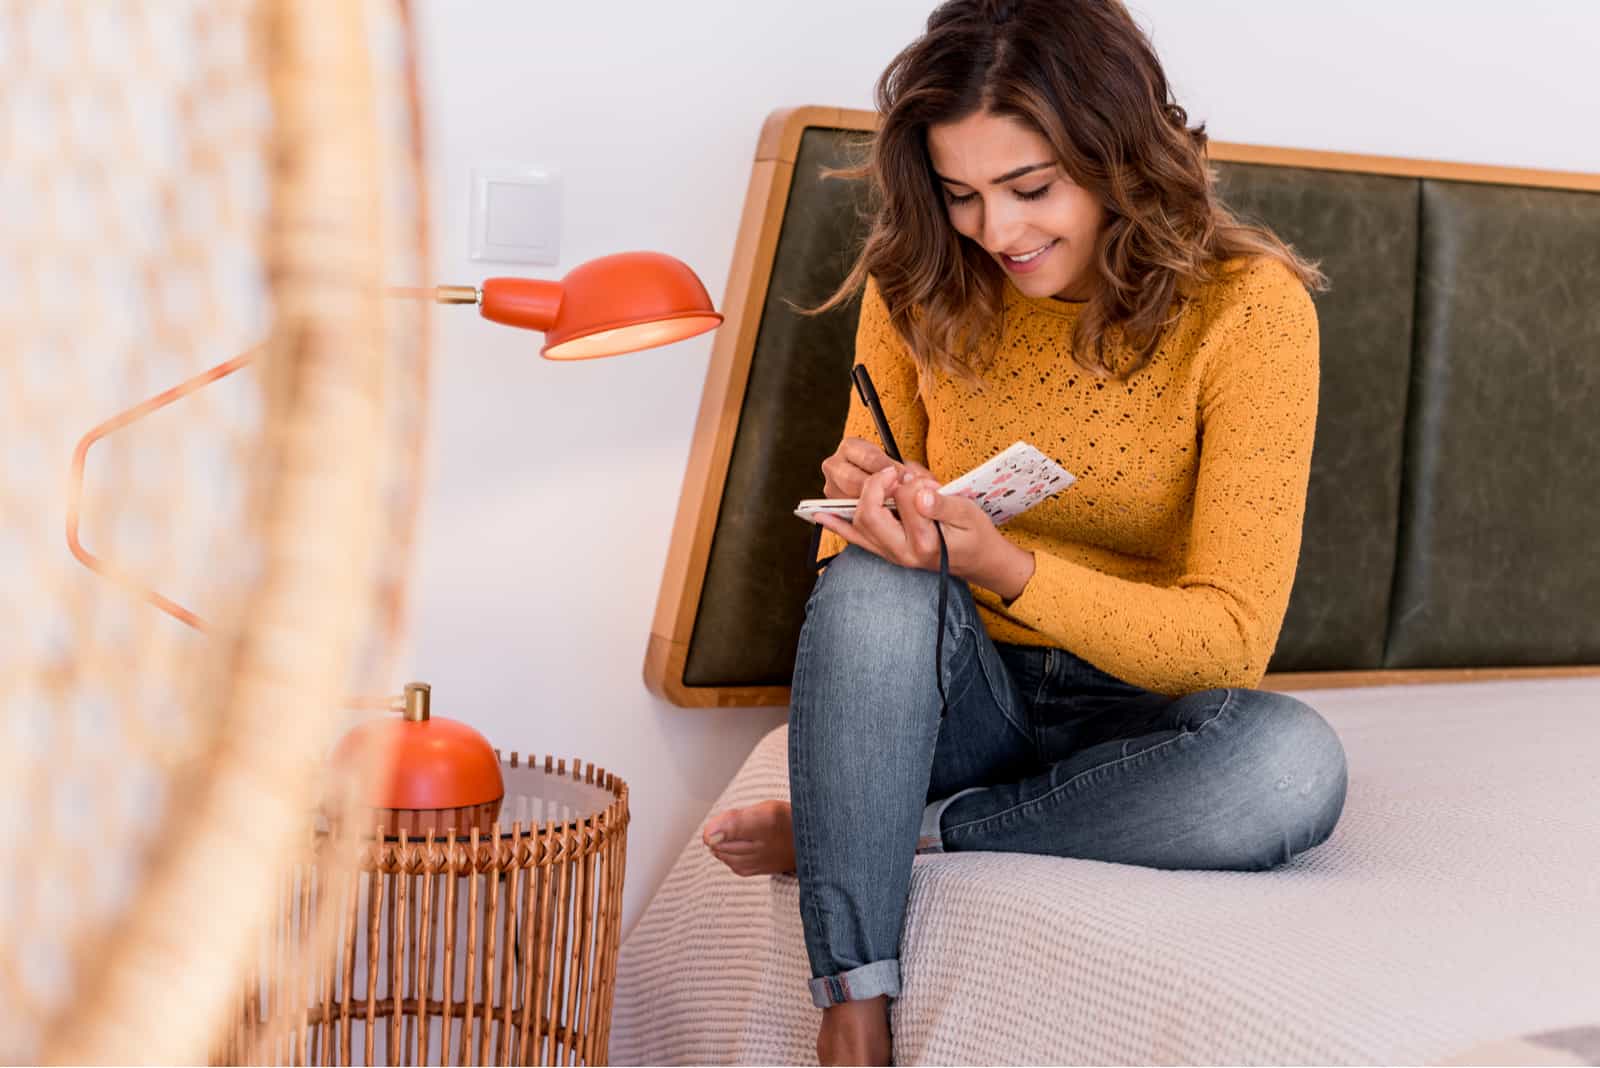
(441, 774)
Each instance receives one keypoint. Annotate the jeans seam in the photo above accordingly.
(808, 901)
(1044, 674)
(1038, 802)
(1035, 728)
(1004, 699)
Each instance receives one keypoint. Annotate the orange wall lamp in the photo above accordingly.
(445, 773)
(606, 307)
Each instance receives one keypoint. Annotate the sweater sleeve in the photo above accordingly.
(1216, 624)
(894, 375)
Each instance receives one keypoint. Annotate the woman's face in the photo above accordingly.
(1005, 189)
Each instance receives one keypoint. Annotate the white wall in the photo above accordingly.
(554, 487)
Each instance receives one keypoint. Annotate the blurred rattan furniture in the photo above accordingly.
(495, 948)
(194, 179)
(188, 180)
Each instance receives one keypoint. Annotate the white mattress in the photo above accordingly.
(1457, 902)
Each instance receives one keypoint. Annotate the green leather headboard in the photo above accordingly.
(1455, 487)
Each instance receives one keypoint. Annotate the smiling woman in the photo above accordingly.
(1048, 262)
(1062, 107)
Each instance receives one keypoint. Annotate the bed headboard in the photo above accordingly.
(1453, 518)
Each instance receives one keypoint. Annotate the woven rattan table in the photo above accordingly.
(495, 948)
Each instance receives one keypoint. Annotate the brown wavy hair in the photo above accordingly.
(1083, 75)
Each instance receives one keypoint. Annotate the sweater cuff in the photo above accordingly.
(989, 599)
(1033, 605)
(1062, 594)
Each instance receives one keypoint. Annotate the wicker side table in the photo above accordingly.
(497, 948)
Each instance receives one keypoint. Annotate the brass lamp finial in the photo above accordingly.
(417, 695)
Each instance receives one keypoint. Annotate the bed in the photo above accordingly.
(1445, 619)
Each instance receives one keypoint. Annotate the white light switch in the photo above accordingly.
(516, 215)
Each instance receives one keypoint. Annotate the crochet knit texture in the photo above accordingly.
(1169, 562)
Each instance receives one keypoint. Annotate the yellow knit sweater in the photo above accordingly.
(1168, 563)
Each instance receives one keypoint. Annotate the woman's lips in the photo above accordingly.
(1024, 266)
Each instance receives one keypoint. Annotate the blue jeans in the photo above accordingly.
(1040, 753)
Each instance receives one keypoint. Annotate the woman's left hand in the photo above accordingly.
(978, 552)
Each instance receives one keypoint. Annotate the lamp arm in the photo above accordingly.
(106, 568)
(80, 455)
(670, 292)
(439, 294)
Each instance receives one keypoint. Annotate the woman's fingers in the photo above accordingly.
(864, 455)
(846, 489)
(855, 460)
(839, 478)
(872, 521)
(861, 470)
(876, 521)
(919, 529)
(842, 527)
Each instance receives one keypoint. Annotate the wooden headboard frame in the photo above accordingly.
(729, 370)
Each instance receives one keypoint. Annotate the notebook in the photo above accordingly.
(1006, 485)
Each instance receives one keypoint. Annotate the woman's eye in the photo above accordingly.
(1022, 194)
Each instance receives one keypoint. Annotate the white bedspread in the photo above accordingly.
(1457, 902)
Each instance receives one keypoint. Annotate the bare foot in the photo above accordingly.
(855, 1032)
(755, 840)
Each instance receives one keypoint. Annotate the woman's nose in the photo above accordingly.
(1001, 227)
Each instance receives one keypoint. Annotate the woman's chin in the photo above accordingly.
(1039, 285)
(1074, 290)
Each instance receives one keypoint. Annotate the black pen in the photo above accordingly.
(869, 397)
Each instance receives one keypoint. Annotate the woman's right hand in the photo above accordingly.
(845, 473)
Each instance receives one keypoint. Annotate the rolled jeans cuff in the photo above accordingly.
(858, 984)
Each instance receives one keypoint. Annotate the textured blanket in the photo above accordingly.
(1456, 905)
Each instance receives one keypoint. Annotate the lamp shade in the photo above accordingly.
(440, 773)
(611, 305)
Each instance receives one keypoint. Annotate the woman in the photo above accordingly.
(1048, 263)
